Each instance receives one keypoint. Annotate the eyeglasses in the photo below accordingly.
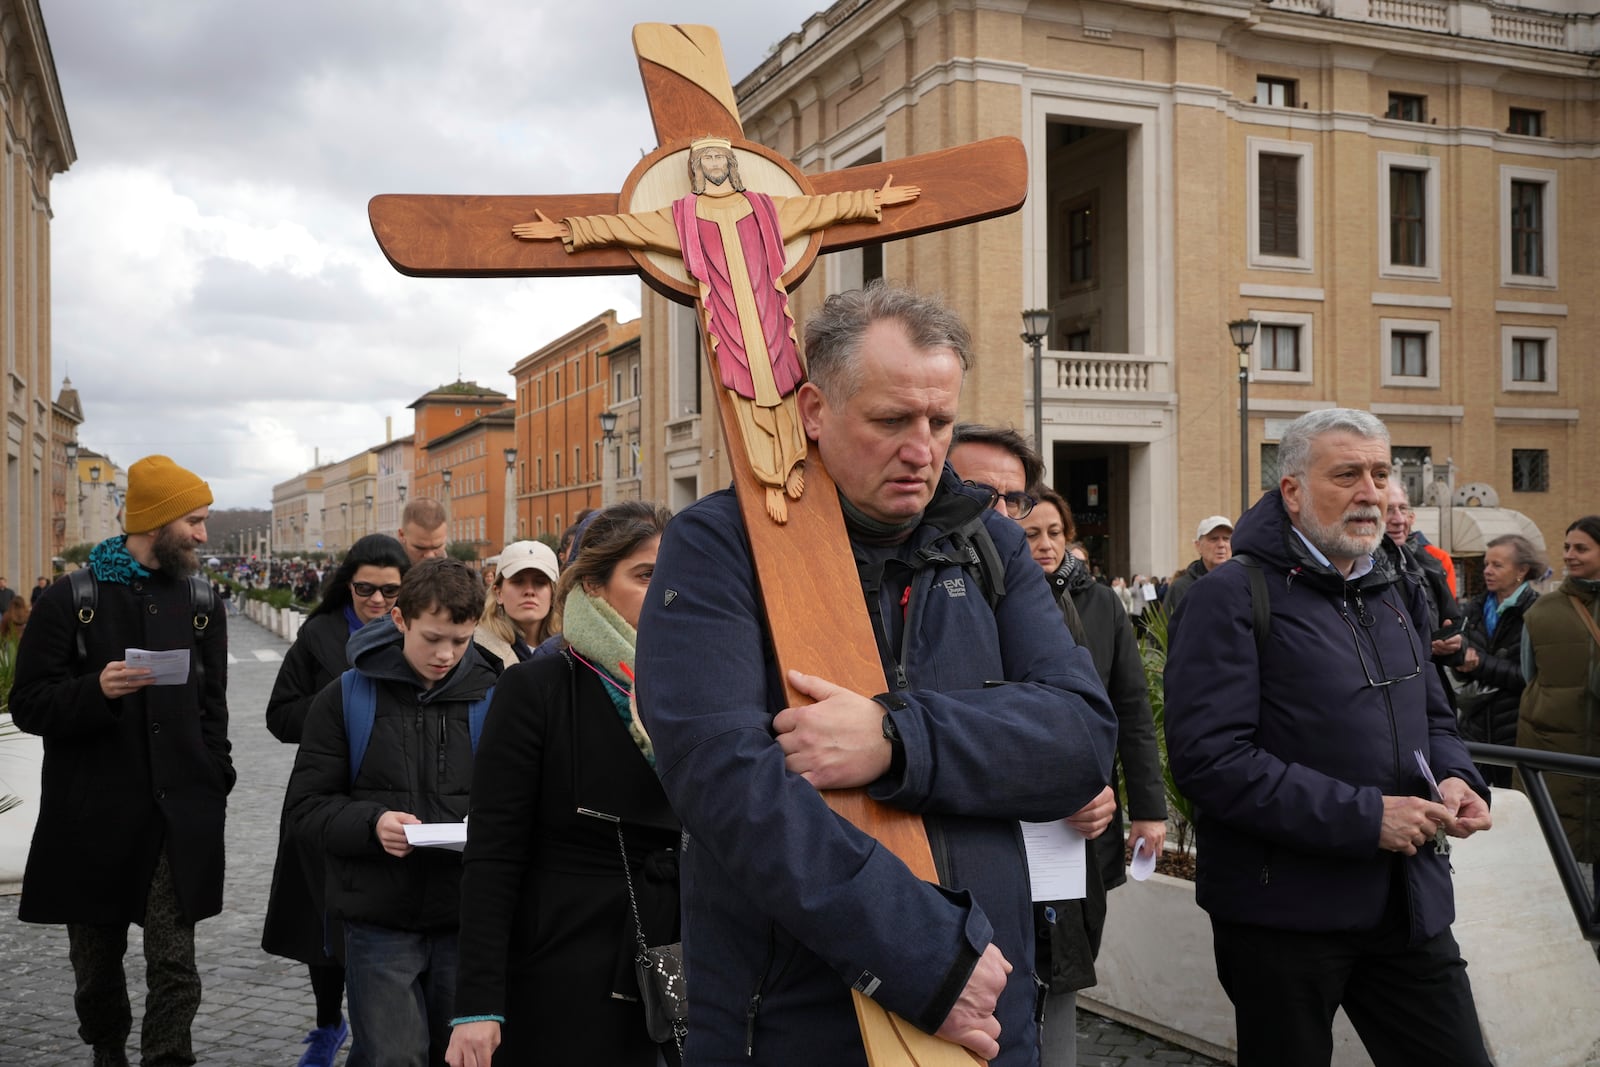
(1367, 622)
(366, 589)
(1018, 503)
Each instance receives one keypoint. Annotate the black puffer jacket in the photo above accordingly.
(419, 760)
(1489, 708)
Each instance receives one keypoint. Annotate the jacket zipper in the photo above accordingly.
(754, 1007)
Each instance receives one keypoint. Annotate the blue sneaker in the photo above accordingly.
(323, 1045)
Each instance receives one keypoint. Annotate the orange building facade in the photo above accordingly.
(562, 389)
(453, 441)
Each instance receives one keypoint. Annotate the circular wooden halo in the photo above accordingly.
(668, 167)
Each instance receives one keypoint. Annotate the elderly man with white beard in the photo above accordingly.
(1303, 721)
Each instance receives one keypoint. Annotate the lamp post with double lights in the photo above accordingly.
(1035, 327)
(608, 435)
(1243, 334)
(510, 532)
(74, 498)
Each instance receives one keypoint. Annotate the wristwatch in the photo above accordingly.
(897, 747)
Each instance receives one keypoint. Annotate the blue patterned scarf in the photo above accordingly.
(111, 562)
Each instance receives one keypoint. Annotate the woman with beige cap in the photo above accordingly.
(516, 618)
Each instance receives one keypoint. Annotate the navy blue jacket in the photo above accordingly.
(1289, 758)
(785, 901)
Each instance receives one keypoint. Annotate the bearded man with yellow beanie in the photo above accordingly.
(136, 772)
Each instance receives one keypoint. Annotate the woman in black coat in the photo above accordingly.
(362, 589)
(1491, 663)
(547, 932)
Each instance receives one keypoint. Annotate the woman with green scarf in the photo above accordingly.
(547, 931)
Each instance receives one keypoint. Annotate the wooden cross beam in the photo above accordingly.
(680, 239)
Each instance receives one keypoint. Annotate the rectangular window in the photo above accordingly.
(1279, 205)
(1407, 107)
(1527, 228)
(1079, 341)
(1527, 359)
(1530, 470)
(1080, 245)
(616, 387)
(577, 465)
(1526, 121)
(555, 468)
(1408, 354)
(1279, 348)
(1269, 467)
(1408, 217)
(1276, 92)
(555, 388)
(635, 372)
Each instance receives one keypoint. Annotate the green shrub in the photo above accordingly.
(1153, 651)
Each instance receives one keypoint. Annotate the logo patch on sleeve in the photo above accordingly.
(867, 984)
(669, 596)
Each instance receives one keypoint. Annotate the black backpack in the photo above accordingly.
(86, 598)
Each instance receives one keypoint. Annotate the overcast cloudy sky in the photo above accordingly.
(218, 295)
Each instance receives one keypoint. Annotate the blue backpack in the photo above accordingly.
(361, 710)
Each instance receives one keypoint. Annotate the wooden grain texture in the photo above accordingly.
(959, 185)
(686, 81)
(470, 236)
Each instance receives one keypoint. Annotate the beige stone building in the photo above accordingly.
(1399, 191)
(37, 146)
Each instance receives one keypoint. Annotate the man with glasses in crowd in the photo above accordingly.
(1327, 768)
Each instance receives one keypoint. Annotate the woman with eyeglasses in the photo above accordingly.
(363, 588)
(1491, 663)
(1561, 703)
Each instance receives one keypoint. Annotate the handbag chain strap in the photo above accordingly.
(633, 902)
(1588, 620)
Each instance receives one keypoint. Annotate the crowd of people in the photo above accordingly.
(609, 722)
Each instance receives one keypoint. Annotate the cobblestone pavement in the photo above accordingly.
(256, 1007)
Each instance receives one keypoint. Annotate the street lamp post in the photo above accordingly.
(344, 522)
(608, 435)
(368, 527)
(444, 476)
(510, 534)
(1243, 334)
(74, 497)
(96, 505)
(1035, 326)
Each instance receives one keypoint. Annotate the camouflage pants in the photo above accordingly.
(104, 1016)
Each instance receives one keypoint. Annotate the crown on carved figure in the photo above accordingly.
(711, 142)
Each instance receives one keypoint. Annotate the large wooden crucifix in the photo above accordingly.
(715, 220)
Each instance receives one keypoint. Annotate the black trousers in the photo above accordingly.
(1410, 1004)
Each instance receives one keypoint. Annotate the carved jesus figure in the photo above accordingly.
(731, 242)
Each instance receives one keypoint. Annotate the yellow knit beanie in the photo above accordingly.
(160, 491)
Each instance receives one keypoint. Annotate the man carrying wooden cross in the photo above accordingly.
(991, 716)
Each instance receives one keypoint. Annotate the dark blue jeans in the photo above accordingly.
(402, 990)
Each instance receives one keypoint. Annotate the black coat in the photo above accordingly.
(294, 925)
(419, 760)
(1489, 709)
(124, 779)
(547, 935)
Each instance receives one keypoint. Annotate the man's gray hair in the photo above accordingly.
(1294, 447)
(834, 333)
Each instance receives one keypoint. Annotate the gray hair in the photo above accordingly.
(1527, 558)
(834, 333)
(1294, 447)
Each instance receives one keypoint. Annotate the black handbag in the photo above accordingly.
(662, 986)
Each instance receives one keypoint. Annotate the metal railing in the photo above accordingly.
(1532, 765)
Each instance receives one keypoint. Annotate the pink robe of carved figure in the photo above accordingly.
(707, 262)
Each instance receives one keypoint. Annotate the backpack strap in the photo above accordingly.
(1260, 602)
(477, 712)
(85, 597)
(978, 554)
(360, 709)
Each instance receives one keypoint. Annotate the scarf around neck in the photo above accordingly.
(111, 561)
(605, 644)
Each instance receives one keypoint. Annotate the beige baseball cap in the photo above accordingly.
(1212, 522)
(518, 556)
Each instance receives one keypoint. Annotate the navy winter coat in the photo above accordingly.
(786, 905)
(1288, 759)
